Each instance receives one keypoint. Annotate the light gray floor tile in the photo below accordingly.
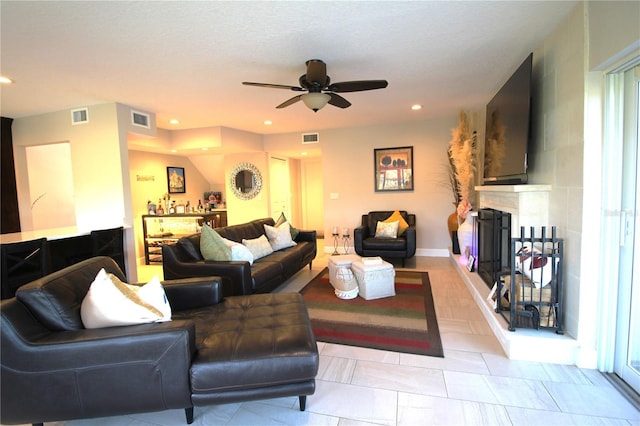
(256, 413)
(499, 390)
(592, 400)
(466, 362)
(333, 369)
(421, 410)
(399, 377)
(355, 402)
(528, 417)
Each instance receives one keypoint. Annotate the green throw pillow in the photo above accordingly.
(282, 219)
(212, 245)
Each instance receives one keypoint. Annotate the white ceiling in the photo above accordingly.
(186, 60)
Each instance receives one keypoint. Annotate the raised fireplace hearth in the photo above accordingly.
(527, 205)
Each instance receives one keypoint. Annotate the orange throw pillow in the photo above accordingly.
(402, 224)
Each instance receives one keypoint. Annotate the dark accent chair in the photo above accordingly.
(367, 245)
(213, 351)
(22, 262)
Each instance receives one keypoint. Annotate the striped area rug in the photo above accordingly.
(405, 322)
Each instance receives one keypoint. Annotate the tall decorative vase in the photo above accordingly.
(465, 236)
(452, 225)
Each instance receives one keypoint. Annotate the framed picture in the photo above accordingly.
(470, 263)
(393, 169)
(175, 180)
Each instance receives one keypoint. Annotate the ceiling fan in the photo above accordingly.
(319, 88)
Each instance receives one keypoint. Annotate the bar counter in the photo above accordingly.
(49, 234)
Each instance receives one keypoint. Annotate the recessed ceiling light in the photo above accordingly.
(303, 153)
(174, 150)
(268, 122)
(416, 107)
(174, 121)
(205, 149)
(5, 80)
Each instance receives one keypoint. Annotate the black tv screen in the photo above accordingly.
(508, 129)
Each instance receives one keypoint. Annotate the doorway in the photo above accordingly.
(51, 185)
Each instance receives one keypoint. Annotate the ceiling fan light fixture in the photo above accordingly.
(315, 101)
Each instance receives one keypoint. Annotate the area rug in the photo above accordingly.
(405, 322)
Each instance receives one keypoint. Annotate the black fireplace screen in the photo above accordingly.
(494, 248)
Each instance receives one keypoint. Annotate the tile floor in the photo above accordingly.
(473, 384)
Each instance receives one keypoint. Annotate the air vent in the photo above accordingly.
(310, 138)
(79, 116)
(140, 119)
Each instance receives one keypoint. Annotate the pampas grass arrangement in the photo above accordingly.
(462, 157)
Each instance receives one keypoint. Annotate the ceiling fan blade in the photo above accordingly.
(317, 72)
(357, 86)
(339, 101)
(274, 86)
(290, 102)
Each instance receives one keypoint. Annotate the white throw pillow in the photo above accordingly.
(280, 237)
(387, 229)
(239, 252)
(110, 302)
(259, 247)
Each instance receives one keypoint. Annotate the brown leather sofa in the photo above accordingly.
(184, 260)
(365, 243)
(213, 351)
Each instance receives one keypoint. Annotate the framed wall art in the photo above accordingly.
(175, 180)
(393, 169)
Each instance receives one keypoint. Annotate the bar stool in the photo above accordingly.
(22, 262)
(109, 242)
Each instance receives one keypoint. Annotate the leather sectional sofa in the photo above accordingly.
(184, 260)
(214, 350)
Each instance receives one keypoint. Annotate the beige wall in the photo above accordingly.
(556, 156)
(347, 170)
(614, 31)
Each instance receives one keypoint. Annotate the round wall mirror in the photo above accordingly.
(246, 181)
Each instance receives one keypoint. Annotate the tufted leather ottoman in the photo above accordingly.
(252, 347)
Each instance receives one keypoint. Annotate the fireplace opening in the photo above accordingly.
(494, 248)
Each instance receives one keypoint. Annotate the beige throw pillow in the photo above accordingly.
(387, 230)
(280, 237)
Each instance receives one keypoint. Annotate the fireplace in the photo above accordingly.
(494, 245)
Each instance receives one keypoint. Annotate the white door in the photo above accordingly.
(312, 201)
(280, 187)
(627, 349)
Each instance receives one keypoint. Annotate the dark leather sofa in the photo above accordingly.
(366, 245)
(183, 260)
(213, 351)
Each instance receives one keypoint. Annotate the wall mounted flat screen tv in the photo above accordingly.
(508, 130)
